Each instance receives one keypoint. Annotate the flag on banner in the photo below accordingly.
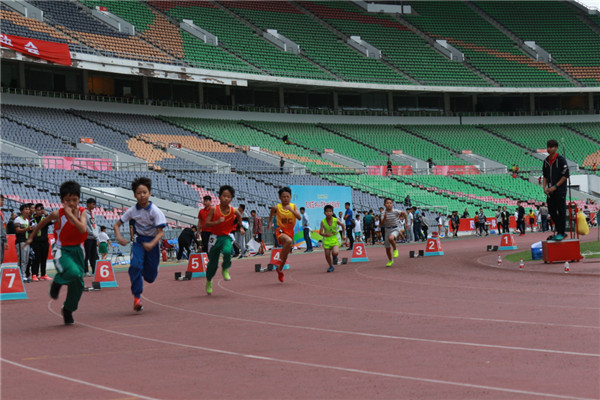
(55, 52)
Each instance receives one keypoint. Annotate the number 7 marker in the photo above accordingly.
(11, 284)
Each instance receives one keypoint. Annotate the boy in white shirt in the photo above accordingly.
(358, 229)
(103, 243)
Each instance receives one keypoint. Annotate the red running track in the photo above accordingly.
(450, 327)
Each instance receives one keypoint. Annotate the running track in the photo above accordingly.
(451, 327)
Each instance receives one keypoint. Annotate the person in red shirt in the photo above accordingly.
(70, 227)
(203, 232)
(221, 220)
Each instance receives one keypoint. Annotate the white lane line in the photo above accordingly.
(373, 335)
(496, 289)
(441, 298)
(331, 367)
(503, 321)
(67, 378)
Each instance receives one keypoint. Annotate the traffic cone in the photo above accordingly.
(521, 264)
(499, 260)
(567, 269)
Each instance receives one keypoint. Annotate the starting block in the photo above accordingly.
(275, 259)
(411, 254)
(95, 286)
(492, 248)
(434, 248)
(359, 253)
(197, 265)
(11, 284)
(344, 260)
(105, 275)
(187, 277)
(259, 268)
(507, 242)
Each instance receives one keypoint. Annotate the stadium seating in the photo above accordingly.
(318, 139)
(317, 42)
(479, 141)
(388, 138)
(236, 133)
(485, 47)
(556, 28)
(577, 146)
(241, 40)
(76, 23)
(401, 47)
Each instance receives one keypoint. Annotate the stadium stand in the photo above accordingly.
(556, 28)
(240, 39)
(485, 47)
(316, 41)
(402, 48)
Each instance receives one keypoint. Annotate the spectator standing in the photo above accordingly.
(103, 243)
(407, 201)
(349, 222)
(455, 221)
(91, 243)
(40, 245)
(3, 240)
(281, 164)
(305, 221)
(482, 223)
(240, 233)
(556, 174)
(417, 221)
(389, 169)
(257, 232)
(369, 223)
(505, 218)
(521, 220)
(22, 229)
(499, 220)
(358, 229)
(544, 217)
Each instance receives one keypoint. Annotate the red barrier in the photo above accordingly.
(10, 255)
(396, 170)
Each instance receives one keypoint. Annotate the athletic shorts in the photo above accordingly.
(103, 248)
(279, 232)
(394, 231)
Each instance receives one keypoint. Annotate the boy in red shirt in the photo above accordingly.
(71, 231)
(221, 220)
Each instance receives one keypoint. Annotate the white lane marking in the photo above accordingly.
(332, 367)
(503, 321)
(438, 297)
(373, 335)
(67, 378)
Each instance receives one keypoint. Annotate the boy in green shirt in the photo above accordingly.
(329, 231)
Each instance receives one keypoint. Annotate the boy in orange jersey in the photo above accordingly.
(287, 213)
(71, 231)
(221, 220)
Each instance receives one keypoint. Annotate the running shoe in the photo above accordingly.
(34, 278)
(335, 260)
(137, 304)
(280, 275)
(209, 287)
(330, 269)
(395, 253)
(559, 237)
(389, 263)
(45, 278)
(226, 275)
(67, 317)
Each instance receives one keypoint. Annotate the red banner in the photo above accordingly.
(56, 52)
(382, 170)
